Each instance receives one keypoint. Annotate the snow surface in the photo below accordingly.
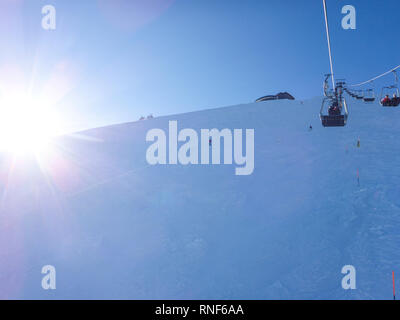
(115, 227)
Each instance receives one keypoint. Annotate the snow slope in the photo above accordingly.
(115, 227)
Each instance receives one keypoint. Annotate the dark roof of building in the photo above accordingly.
(279, 96)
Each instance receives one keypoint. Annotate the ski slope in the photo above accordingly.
(115, 227)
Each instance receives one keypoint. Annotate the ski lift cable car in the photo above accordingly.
(334, 119)
(333, 100)
(359, 95)
(334, 105)
(391, 91)
(369, 95)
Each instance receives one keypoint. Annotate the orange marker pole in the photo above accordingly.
(394, 288)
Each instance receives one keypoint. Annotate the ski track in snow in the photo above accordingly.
(116, 228)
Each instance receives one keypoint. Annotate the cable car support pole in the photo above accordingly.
(329, 43)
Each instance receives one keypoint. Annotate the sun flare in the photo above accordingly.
(26, 124)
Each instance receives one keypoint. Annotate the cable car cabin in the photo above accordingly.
(335, 116)
(359, 95)
(394, 102)
(334, 121)
(369, 96)
(390, 96)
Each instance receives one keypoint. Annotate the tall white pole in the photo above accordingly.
(329, 43)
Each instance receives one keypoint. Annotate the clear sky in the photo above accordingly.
(111, 61)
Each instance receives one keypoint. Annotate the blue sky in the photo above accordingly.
(114, 63)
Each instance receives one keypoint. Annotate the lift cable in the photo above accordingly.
(377, 77)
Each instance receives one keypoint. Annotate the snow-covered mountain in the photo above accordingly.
(116, 227)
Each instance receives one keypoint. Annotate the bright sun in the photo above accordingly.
(26, 124)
